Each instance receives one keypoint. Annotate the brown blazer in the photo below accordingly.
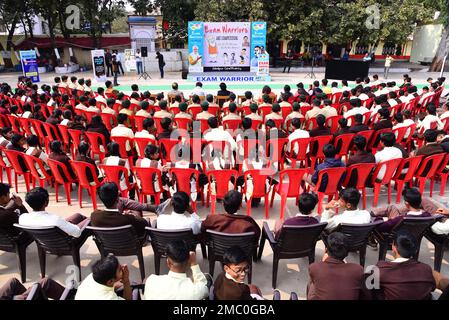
(230, 223)
(335, 280)
(409, 280)
(111, 219)
(226, 289)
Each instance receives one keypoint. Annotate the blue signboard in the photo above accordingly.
(196, 37)
(258, 42)
(29, 65)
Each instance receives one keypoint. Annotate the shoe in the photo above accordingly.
(372, 243)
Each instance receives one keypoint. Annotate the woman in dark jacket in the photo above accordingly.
(97, 125)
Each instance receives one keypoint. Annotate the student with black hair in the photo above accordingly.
(315, 111)
(229, 285)
(122, 130)
(404, 278)
(96, 125)
(83, 156)
(204, 114)
(413, 203)
(275, 113)
(360, 155)
(10, 209)
(431, 147)
(233, 112)
(218, 134)
(254, 115)
(358, 124)
(182, 216)
(306, 205)
(35, 150)
(107, 273)
(388, 152)
(176, 285)
(296, 113)
(231, 221)
(126, 108)
(167, 128)
(163, 113)
(83, 103)
(92, 105)
(384, 120)
(144, 107)
(431, 119)
(348, 204)
(77, 123)
(148, 129)
(38, 199)
(6, 135)
(321, 129)
(333, 278)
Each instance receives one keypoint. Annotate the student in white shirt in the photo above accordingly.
(430, 118)
(296, 134)
(401, 122)
(441, 227)
(26, 111)
(445, 113)
(121, 130)
(148, 129)
(198, 90)
(99, 285)
(217, 134)
(176, 285)
(348, 202)
(356, 108)
(109, 109)
(389, 152)
(38, 199)
(67, 117)
(182, 216)
(143, 112)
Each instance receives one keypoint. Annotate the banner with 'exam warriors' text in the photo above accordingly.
(28, 59)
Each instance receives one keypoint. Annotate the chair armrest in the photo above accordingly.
(86, 225)
(268, 233)
(293, 296)
(276, 295)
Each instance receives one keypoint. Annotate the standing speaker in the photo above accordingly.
(144, 51)
(184, 74)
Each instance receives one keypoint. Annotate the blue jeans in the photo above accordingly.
(139, 67)
(161, 69)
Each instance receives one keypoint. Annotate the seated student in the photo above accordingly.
(412, 201)
(333, 278)
(6, 136)
(176, 285)
(296, 134)
(232, 99)
(96, 125)
(404, 278)
(10, 209)
(315, 111)
(204, 114)
(272, 132)
(322, 129)
(17, 143)
(432, 146)
(77, 123)
(389, 151)
(249, 99)
(384, 120)
(430, 118)
(112, 216)
(67, 117)
(230, 285)
(182, 216)
(328, 110)
(329, 162)
(143, 112)
(183, 114)
(163, 113)
(13, 289)
(59, 155)
(113, 158)
(231, 221)
(294, 114)
(306, 204)
(148, 129)
(93, 106)
(82, 105)
(126, 108)
(343, 127)
(350, 213)
(233, 112)
(83, 156)
(26, 111)
(360, 155)
(275, 113)
(254, 115)
(107, 274)
(34, 148)
(122, 130)
(218, 134)
(109, 109)
(358, 124)
(38, 200)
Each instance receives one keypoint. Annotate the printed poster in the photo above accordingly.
(28, 59)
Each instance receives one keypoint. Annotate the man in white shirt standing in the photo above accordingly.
(99, 285)
(182, 216)
(38, 199)
(348, 202)
(389, 152)
(176, 285)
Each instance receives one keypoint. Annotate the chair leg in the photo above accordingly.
(80, 196)
(67, 193)
(383, 247)
(399, 187)
(42, 260)
(203, 250)
(212, 205)
(250, 273)
(93, 195)
(389, 192)
(56, 192)
(364, 198)
(320, 202)
(272, 198)
(362, 253)
(248, 206)
(439, 252)
(275, 271)
(283, 205)
(432, 182)
(376, 193)
(77, 261)
(141, 264)
(267, 204)
(443, 184)
(17, 187)
(263, 238)
(26, 178)
(157, 264)
(211, 265)
(21, 257)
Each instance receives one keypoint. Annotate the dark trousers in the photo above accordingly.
(119, 64)
(115, 78)
(14, 289)
(108, 67)
(161, 69)
(288, 64)
(139, 67)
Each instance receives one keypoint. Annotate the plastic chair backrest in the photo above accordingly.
(334, 176)
(80, 168)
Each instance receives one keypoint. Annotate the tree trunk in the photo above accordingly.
(443, 50)
(9, 43)
(30, 26)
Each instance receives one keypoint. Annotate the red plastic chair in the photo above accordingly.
(232, 124)
(342, 144)
(56, 168)
(264, 111)
(26, 125)
(114, 174)
(183, 181)
(259, 178)
(221, 179)
(94, 139)
(285, 111)
(310, 124)
(6, 167)
(204, 126)
(400, 134)
(431, 164)
(305, 109)
(80, 169)
(275, 151)
(318, 144)
(138, 121)
(390, 169)
(367, 134)
(123, 142)
(333, 182)
(15, 158)
(141, 144)
(411, 165)
(76, 136)
(332, 123)
(109, 120)
(42, 176)
(146, 184)
(215, 110)
(301, 154)
(375, 139)
(194, 110)
(52, 132)
(157, 122)
(256, 124)
(168, 150)
(183, 123)
(14, 122)
(38, 127)
(90, 114)
(362, 170)
(443, 173)
(289, 189)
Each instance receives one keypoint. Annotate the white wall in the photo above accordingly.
(425, 42)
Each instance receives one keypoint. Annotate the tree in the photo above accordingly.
(10, 18)
(443, 47)
(142, 7)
